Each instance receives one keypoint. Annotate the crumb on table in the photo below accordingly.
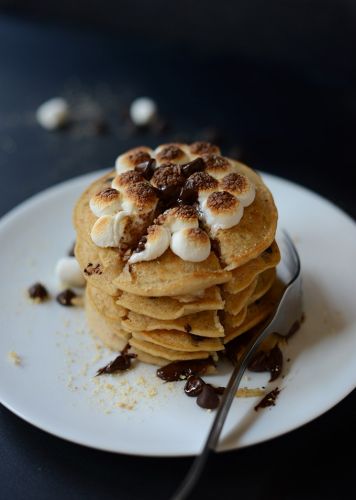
(14, 358)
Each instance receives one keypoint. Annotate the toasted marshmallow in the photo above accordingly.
(201, 147)
(122, 181)
(171, 153)
(203, 184)
(221, 210)
(191, 244)
(107, 202)
(177, 218)
(154, 245)
(139, 198)
(240, 186)
(167, 175)
(130, 159)
(217, 166)
(69, 273)
(109, 229)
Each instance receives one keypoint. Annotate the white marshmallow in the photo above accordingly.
(158, 239)
(190, 244)
(221, 217)
(53, 114)
(183, 217)
(240, 186)
(109, 229)
(128, 161)
(69, 273)
(107, 202)
(142, 111)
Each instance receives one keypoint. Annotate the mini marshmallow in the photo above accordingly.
(143, 110)
(171, 153)
(139, 198)
(69, 273)
(221, 210)
(201, 147)
(122, 181)
(157, 242)
(177, 218)
(217, 166)
(203, 183)
(109, 229)
(191, 244)
(240, 186)
(53, 114)
(131, 158)
(107, 202)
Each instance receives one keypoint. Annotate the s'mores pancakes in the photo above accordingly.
(177, 246)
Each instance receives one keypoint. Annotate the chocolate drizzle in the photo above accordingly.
(268, 400)
(180, 370)
(268, 361)
(119, 364)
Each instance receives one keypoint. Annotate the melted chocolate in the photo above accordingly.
(38, 292)
(268, 400)
(187, 196)
(179, 370)
(187, 328)
(208, 398)
(268, 361)
(141, 245)
(119, 364)
(235, 348)
(194, 386)
(146, 168)
(168, 195)
(66, 297)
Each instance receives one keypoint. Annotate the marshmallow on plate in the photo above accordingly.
(106, 202)
(191, 244)
(154, 244)
(69, 273)
(240, 186)
(221, 210)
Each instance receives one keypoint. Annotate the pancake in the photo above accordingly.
(106, 330)
(264, 283)
(204, 324)
(256, 230)
(168, 354)
(167, 308)
(243, 276)
(256, 312)
(179, 341)
(106, 304)
(234, 320)
(235, 302)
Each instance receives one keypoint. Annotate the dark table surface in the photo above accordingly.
(280, 120)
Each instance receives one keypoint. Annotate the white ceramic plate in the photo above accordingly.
(135, 412)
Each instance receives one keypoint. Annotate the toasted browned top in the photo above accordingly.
(167, 175)
(221, 201)
(197, 235)
(127, 178)
(202, 147)
(201, 181)
(170, 152)
(215, 161)
(234, 182)
(138, 155)
(142, 194)
(108, 194)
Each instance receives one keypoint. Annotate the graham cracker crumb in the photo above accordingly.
(246, 392)
(14, 358)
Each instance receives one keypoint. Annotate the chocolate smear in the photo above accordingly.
(92, 269)
(194, 386)
(119, 364)
(268, 361)
(179, 370)
(208, 399)
(66, 297)
(38, 292)
(268, 400)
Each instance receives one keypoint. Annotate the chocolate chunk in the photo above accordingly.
(219, 390)
(179, 370)
(268, 361)
(187, 196)
(119, 364)
(215, 246)
(192, 167)
(269, 250)
(168, 195)
(141, 245)
(187, 328)
(268, 400)
(91, 269)
(146, 168)
(38, 292)
(194, 386)
(66, 297)
(208, 398)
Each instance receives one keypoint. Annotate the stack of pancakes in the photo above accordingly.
(170, 309)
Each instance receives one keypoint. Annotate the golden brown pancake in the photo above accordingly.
(235, 302)
(179, 341)
(106, 304)
(169, 354)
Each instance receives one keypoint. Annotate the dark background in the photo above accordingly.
(275, 83)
